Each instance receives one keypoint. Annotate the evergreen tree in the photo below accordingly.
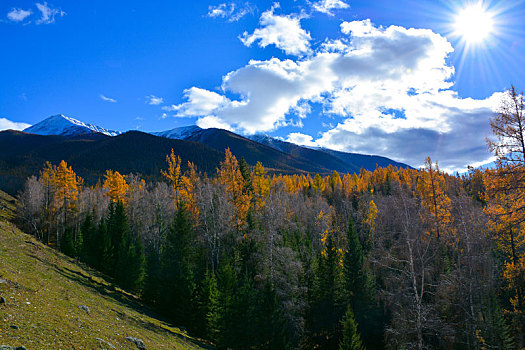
(326, 305)
(79, 244)
(224, 320)
(213, 309)
(124, 259)
(359, 289)
(246, 175)
(103, 251)
(89, 235)
(132, 265)
(67, 244)
(153, 278)
(351, 340)
(356, 284)
(177, 286)
(270, 327)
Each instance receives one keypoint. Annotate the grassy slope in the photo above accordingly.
(44, 290)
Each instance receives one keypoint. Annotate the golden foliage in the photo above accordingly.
(431, 189)
(173, 175)
(261, 185)
(230, 176)
(188, 186)
(117, 186)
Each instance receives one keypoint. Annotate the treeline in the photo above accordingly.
(394, 258)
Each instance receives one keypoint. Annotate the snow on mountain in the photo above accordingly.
(270, 141)
(180, 133)
(66, 126)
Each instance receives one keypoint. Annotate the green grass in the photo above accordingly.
(44, 290)
(7, 206)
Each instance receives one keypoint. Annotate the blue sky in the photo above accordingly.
(381, 77)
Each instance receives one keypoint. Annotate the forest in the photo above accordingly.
(392, 258)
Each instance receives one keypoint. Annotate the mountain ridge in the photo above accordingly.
(59, 124)
(91, 152)
(66, 126)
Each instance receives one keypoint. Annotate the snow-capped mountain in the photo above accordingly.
(180, 133)
(274, 152)
(270, 141)
(66, 126)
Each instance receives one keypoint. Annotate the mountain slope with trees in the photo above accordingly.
(51, 302)
(393, 258)
(23, 155)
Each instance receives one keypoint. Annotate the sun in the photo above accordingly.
(474, 23)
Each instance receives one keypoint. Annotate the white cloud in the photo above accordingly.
(301, 139)
(390, 86)
(154, 100)
(284, 32)
(221, 10)
(327, 6)
(200, 103)
(48, 13)
(107, 99)
(212, 122)
(18, 15)
(6, 124)
(231, 11)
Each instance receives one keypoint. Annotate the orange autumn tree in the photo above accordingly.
(63, 187)
(184, 185)
(188, 185)
(505, 196)
(230, 176)
(335, 182)
(318, 185)
(174, 174)
(116, 183)
(431, 189)
(261, 185)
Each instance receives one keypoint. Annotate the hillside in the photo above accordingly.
(254, 152)
(52, 303)
(90, 154)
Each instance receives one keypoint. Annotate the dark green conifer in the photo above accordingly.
(351, 340)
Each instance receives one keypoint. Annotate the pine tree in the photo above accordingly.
(136, 270)
(351, 340)
(153, 278)
(177, 286)
(354, 275)
(225, 316)
(127, 261)
(67, 244)
(79, 244)
(88, 253)
(103, 252)
(213, 309)
(359, 287)
(326, 307)
(246, 175)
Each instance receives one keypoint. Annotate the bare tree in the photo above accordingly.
(216, 218)
(30, 207)
(405, 257)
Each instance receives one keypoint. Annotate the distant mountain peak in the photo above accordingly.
(59, 124)
(180, 133)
